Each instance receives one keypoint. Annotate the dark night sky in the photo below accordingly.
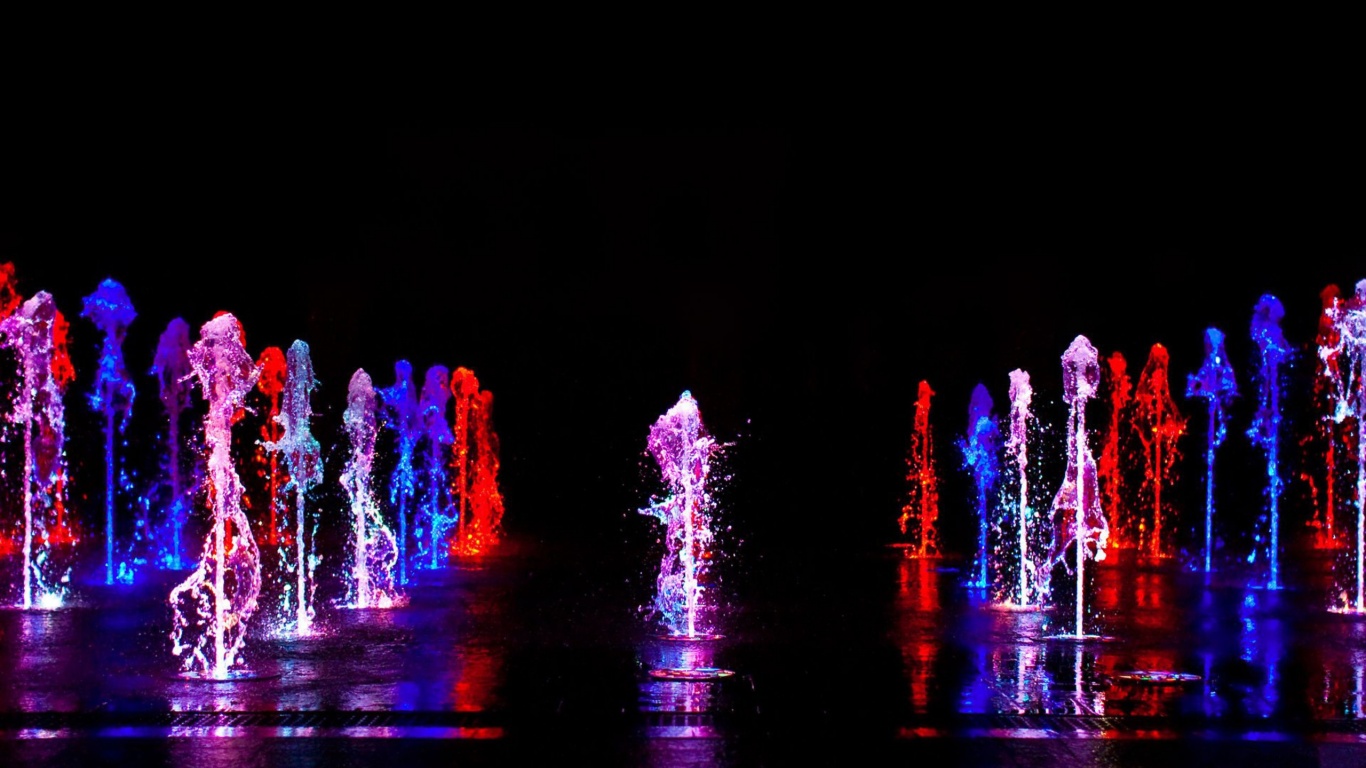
(798, 276)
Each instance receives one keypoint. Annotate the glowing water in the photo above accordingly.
(1031, 584)
(1266, 424)
(1159, 425)
(920, 514)
(399, 406)
(374, 551)
(1113, 485)
(212, 607)
(476, 463)
(304, 456)
(111, 311)
(1078, 520)
(1349, 395)
(434, 508)
(271, 383)
(683, 449)
(1216, 383)
(1321, 445)
(40, 412)
(172, 369)
(981, 448)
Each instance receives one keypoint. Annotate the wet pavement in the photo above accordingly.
(823, 657)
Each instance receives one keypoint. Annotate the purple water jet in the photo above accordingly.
(1027, 531)
(374, 551)
(171, 367)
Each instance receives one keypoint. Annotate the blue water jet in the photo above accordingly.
(981, 454)
(1272, 350)
(1216, 383)
(113, 394)
(400, 409)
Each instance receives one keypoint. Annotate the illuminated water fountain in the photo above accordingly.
(171, 367)
(1272, 350)
(214, 605)
(1114, 485)
(475, 459)
(981, 449)
(435, 515)
(1026, 533)
(400, 408)
(304, 456)
(1078, 521)
(1159, 425)
(920, 514)
(373, 551)
(1349, 395)
(113, 394)
(271, 383)
(1329, 436)
(1215, 383)
(40, 413)
(683, 450)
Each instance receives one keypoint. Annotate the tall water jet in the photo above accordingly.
(1078, 520)
(304, 456)
(1027, 533)
(981, 453)
(1159, 425)
(171, 367)
(373, 550)
(41, 414)
(683, 450)
(434, 507)
(920, 514)
(1322, 443)
(400, 409)
(1272, 350)
(111, 311)
(1349, 397)
(1216, 383)
(475, 460)
(271, 383)
(213, 606)
(1114, 486)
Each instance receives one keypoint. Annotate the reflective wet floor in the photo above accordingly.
(821, 657)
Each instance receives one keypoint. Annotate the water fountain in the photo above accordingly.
(41, 414)
(1114, 486)
(400, 409)
(211, 608)
(1025, 586)
(920, 514)
(435, 513)
(113, 394)
(1215, 383)
(1272, 350)
(981, 449)
(271, 383)
(475, 459)
(171, 367)
(683, 450)
(1349, 397)
(374, 551)
(1159, 426)
(304, 456)
(1078, 520)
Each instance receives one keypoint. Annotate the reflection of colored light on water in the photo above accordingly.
(918, 617)
(1159, 425)
(920, 514)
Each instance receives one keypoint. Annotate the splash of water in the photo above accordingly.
(1272, 350)
(1159, 426)
(1028, 533)
(981, 449)
(920, 514)
(1349, 397)
(475, 459)
(111, 311)
(304, 456)
(41, 414)
(1216, 383)
(400, 409)
(171, 367)
(374, 551)
(1113, 478)
(683, 450)
(436, 515)
(1321, 444)
(213, 606)
(271, 383)
(1078, 520)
